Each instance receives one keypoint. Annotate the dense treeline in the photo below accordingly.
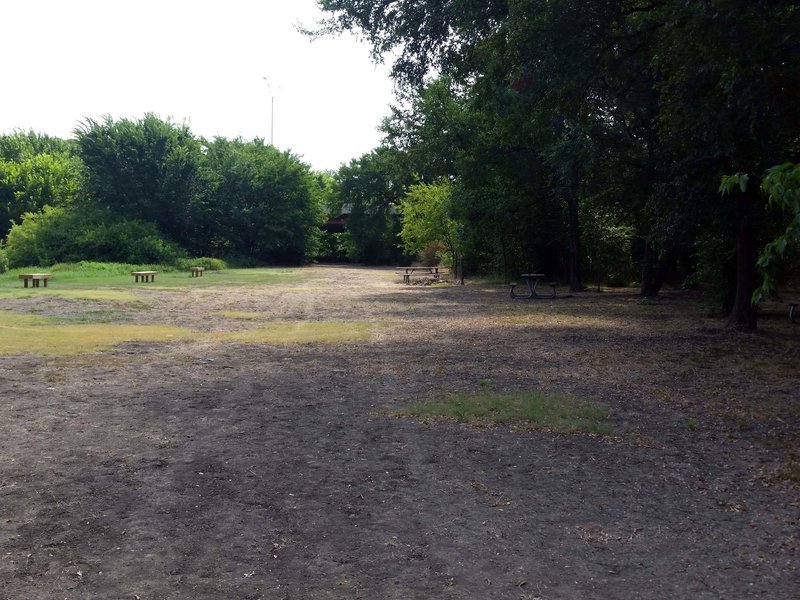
(599, 141)
(148, 191)
(589, 138)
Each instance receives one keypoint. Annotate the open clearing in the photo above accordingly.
(253, 459)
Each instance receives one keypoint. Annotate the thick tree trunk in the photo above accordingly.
(651, 283)
(743, 315)
(575, 280)
(654, 270)
(574, 230)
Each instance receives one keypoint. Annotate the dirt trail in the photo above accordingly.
(200, 470)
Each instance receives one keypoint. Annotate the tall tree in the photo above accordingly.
(369, 188)
(730, 93)
(144, 169)
(259, 202)
(427, 218)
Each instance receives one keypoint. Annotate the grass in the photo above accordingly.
(531, 410)
(237, 314)
(85, 278)
(33, 334)
(50, 336)
(91, 331)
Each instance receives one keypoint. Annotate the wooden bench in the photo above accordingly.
(197, 271)
(792, 309)
(144, 275)
(34, 278)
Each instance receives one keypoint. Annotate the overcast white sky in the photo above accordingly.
(196, 61)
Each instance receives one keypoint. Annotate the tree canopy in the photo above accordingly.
(558, 117)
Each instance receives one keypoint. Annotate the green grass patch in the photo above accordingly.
(531, 410)
(93, 295)
(300, 332)
(51, 336)
(235, 314)
(89, 278)
(33, 334)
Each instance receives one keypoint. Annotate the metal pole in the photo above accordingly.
(271, 113)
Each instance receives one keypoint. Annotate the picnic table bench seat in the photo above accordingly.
(145, 276)
(34, 278)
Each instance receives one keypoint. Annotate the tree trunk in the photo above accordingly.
(575, 280)
(574, 229)
(743, 314)
(650, 285)
(654, 270)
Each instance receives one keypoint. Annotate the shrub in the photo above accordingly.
(211, 264)
(3, 260)
(64, 234)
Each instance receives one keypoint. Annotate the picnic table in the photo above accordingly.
(532, 280)
(408, 272)
(34, 278)
(197, 271)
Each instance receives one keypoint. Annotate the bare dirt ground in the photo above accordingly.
(204, 470)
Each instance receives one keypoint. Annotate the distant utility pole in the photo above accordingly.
(271, 113)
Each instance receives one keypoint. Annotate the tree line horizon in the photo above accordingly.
(618, 142)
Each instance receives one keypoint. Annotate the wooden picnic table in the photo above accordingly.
(532, 280)
(416, 271)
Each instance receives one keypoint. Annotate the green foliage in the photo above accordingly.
(636, 108)
(426, 218)
(144, 170)
(370, 187)
(781, 183)
(209, 263)
(260, 203)
(607, 239)
(715, 273)
(22, 145)
(3, 259)
(149, 188)
(90, 269)
(31, 181)
(62, 234)
(333, 246)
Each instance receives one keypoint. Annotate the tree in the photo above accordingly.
(30, 182)
(35, 170)
(640, 104)
(370, 187)
(259, 202)
(730, 93)
(781, 183)
(145, 169)
(426, 216)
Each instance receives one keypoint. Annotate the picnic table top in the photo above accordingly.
(34, 275)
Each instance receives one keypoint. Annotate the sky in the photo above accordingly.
(232, 68)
